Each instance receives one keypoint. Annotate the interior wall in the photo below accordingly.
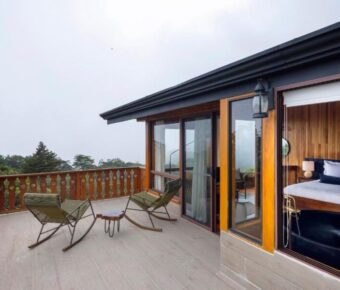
(313, 131)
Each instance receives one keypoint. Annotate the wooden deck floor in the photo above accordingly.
(183, 256)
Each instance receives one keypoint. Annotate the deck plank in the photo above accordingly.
(183, 256)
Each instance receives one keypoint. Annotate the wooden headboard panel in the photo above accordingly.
(318, 164)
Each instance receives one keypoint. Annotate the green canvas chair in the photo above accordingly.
(47, 208)
(150, 204)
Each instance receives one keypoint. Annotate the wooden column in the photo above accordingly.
(148, 143)
(268, 182)
(224, 165)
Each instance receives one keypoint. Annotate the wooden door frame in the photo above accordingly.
(268, 177)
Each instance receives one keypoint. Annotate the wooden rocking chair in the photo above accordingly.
(47, 208)
(150, 204)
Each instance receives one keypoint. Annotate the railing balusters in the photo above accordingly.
(95, 193)
(93, 184)
(125, 181)
(118, 182)
(103, 184)
(17, 200)
(6, 195)
(132, 180)
(111, 183)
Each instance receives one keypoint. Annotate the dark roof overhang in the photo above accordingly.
(312, 47)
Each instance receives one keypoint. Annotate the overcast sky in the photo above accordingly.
(64, 62)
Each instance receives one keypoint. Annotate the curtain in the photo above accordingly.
(200, 190)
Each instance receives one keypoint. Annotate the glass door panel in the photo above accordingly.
(198, 169)
(245, 174)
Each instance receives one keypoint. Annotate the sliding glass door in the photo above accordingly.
(245, 155)
(198, 170)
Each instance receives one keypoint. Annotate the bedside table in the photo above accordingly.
(301, 179)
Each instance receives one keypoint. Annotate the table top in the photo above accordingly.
(112, 214)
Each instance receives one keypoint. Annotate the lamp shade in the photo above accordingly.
(308, 165)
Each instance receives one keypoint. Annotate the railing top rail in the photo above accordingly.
(69, 171)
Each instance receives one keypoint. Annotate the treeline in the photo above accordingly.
(45, 160)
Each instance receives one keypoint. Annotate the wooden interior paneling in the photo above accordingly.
(312, 131)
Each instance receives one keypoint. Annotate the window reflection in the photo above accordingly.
(165, 152)
(198, 166)
(245, 176)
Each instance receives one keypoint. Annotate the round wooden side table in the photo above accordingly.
(111, 216)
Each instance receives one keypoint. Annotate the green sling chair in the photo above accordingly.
(150, 204)
(47, 208)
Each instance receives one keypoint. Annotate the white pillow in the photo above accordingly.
(331, 168)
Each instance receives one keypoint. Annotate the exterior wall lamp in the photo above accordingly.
(263, 100)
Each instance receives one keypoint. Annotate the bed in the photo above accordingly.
(314, 194)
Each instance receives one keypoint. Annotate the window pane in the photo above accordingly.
(159, 183)
(166, 147)
(245, 174)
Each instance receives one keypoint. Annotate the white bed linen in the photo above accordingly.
(315, 190)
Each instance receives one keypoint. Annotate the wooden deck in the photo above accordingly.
(183, 256)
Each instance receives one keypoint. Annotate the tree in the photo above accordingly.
(83, 162)
(65, 165)
(5, 170)
(114, 162)
(43, 160)
(15, 161)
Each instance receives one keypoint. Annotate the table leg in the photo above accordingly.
(107, 228)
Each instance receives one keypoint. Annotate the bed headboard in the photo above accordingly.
(318, 164)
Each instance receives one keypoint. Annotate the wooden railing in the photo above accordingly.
(93, 184)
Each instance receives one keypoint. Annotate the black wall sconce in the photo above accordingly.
(263, 100)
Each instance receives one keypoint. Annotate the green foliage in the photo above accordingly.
(5, 170)
(65, 165)
(43, 160)
(15, 161)
(116, 162)
(83, 162)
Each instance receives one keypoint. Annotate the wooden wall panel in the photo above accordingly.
(313, 131)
